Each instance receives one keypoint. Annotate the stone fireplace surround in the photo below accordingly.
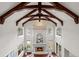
(39, 48)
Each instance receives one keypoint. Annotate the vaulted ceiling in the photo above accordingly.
(39, 11)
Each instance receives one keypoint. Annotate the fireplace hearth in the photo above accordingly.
(39, 49)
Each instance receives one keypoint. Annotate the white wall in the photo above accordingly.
(8, 37)
(8, 33)
(70, 37)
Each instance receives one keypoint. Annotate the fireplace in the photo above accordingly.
(39, 49)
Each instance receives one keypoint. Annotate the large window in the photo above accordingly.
(59, 31)
(20, 31)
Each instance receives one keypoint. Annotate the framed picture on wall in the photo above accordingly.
(39, 38)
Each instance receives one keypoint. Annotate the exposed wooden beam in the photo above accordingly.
(26, 16)
(27, 21)
(53, 16)
(51, 20)
(38, 18)
(39, 9)
(33, 19)
(66, 10)
(36, 6)
(37, 15)
(7, 14)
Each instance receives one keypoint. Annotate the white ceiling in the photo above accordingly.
(73, 6)
(5, 6)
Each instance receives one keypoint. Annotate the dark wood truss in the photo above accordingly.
(66, 10)
(36, 6)
(39, 7)
(51, 20)
(26, 16)
(53, 16)
(7, 14)
(33, 19)
(41, 15)
(39, 10)
(30, 19)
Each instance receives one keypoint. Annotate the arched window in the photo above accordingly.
(59, 31)
(20, 31)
